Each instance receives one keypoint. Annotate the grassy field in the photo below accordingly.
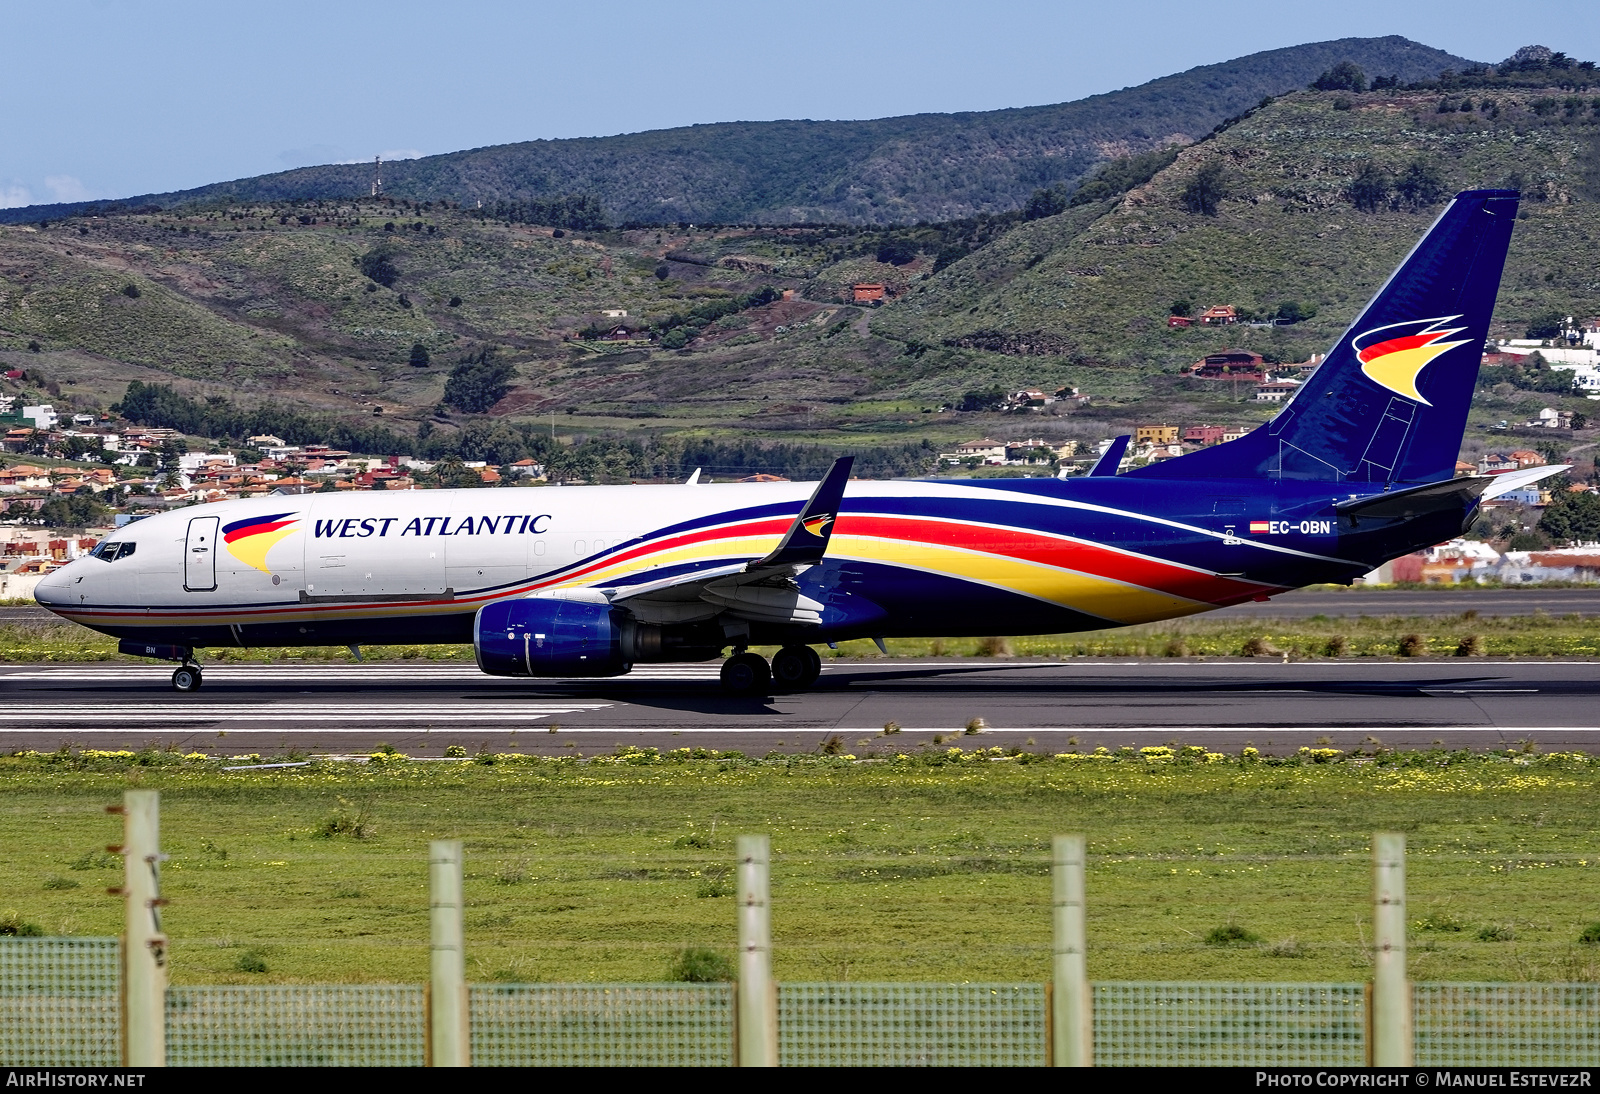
(926, 867)
(1469, 634)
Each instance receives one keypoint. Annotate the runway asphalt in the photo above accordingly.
(421, 709)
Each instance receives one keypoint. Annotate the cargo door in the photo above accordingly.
(200, 555)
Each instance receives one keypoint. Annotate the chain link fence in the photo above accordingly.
(60, 1002)
(296, 1025)
(1497, 1025)
(904, 1025)
(59, 1006)
(602, 1025)
(1237, 1025)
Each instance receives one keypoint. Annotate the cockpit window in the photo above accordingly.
(111, 550)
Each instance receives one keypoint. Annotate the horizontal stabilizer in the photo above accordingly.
(1508, 481)
(1436, 497)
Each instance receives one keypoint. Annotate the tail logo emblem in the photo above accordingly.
(818, 525)
(250, 539)
(1393, 356)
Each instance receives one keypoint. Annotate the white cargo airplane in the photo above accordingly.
(586, 581)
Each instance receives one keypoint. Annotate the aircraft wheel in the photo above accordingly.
(746, 674)
(186, 678)
(791, 668)
(813, 665)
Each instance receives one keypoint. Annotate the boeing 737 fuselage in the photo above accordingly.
(588, 581)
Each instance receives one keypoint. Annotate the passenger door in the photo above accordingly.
(200, 555)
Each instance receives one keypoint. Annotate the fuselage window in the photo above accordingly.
(110, 552)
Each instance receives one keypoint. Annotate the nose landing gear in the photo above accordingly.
(794, 668)
(186, 678)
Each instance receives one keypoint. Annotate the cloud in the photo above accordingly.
(66, 188)
(14, 197)
(311, 155)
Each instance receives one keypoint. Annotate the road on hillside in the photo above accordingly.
(422, 709)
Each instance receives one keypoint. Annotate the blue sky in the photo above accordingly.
(107, 98)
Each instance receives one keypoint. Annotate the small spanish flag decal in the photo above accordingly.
(1260, 526)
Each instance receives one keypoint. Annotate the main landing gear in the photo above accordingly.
(186, 677)
(794, 668)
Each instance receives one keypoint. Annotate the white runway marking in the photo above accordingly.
(315, 717)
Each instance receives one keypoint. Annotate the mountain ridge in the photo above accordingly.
(915, 167)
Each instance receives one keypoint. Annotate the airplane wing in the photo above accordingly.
(761, 590)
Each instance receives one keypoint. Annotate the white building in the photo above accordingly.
(43, 416)
(195, 461)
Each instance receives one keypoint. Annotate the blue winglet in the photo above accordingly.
(807, 538)
(1112, 460)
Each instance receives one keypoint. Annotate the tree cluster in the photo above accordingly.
(575, 212)
(1572, 518)
(378, 265)
(1205, 191)
(1419, 186)
(159, 405)
(1344, 76)
(478, 382)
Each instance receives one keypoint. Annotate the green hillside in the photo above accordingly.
(892, 170)
(272, 305)
(1099, 292)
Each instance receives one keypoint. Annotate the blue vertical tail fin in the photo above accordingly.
(1389, 404)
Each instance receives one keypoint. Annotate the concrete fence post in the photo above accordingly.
(449, 1037)
(1071, 1004)
(1391, 991)
(757, 999)
(144, 944)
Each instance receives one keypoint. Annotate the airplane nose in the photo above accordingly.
(52, 588)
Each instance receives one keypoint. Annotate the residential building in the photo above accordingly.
(1219, 315)
(1179, 321)
(984, 449)
(1526, 457)
(1233, 433)
(43, 416)
(1204, 435)
(1231, 364)
(1155, 434)
(1276, 391)
(1550, 418)
(867, 292)
(1034, 450)
(264, 441)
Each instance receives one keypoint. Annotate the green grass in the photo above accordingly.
(1468, 634)
(925, 867)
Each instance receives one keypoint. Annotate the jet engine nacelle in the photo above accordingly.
(553, 636)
